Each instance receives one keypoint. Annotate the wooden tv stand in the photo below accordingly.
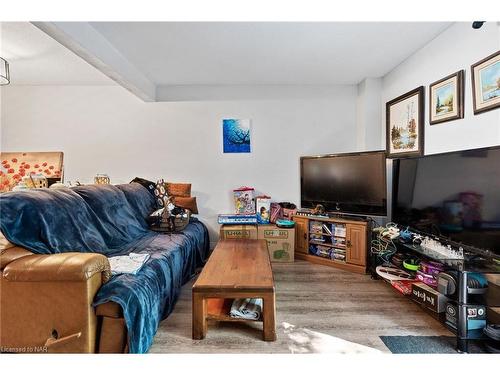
(342, 238)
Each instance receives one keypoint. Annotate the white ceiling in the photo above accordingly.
(37, 59)
(225, 53)
(149, 57)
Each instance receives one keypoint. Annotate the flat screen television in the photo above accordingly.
(345, 183)
(455, 195)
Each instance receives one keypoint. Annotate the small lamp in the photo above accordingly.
(4, 72)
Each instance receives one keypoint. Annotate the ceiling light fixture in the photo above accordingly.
(4, 72)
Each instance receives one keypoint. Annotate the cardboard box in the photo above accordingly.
(429, 297)
(280, 242)
(247, 232)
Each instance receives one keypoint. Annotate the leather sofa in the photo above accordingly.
(46, 304)
(48, 301)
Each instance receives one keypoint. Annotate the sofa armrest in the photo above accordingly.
(47, 301)
(58, 267)
(11, 254)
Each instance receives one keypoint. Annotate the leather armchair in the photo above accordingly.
(46, 301)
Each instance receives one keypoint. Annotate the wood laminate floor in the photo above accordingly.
(319, 310)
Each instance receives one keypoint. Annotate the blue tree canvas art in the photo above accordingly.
(236, 136)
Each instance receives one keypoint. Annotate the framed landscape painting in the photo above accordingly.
(446, 98)
(405, 124)
(486, 83)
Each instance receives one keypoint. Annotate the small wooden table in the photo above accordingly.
(236, 269)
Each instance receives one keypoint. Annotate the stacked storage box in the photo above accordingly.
(280, 241)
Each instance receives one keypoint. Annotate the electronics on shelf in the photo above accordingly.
(492, 331)
(461, 203)
(431, 268)
(411, 264)
(433, 245)
(447, 283)
(309, 213)
(426, 278)
(283, 223)
(434, 268)
(447, 251)
(332, 241)
(403, 286)
(328, 240)
(429, 297)
(476, 316)
(391, 232)
(393, 273)
(237, 219)
(353, 183)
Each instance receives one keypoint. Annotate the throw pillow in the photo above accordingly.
(177, 189)
(189, 203)
(161, 195)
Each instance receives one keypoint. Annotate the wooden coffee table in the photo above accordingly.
(236, 269)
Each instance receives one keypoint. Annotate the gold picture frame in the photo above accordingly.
(486, 83)
(446, 98)
(405, 124)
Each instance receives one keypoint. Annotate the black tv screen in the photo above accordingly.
(456, 195)
(346, 183)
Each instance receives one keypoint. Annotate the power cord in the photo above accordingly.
(383, 245)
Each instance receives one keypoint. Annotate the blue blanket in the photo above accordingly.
(111, 220)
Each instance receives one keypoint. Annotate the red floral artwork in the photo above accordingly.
(15, 165)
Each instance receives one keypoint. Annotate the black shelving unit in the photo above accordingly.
(474, 262)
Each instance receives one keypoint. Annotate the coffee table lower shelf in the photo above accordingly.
(218, 309)
(215, 306)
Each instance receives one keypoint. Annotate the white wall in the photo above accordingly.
(368, 114)
(105, 129)
(458, 47)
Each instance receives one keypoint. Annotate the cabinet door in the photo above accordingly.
(356, 244)
(301, 230)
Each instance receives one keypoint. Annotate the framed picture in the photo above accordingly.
(405, 124)
(486, 83)
(15, 166)
(236, 136)
(446, 98)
